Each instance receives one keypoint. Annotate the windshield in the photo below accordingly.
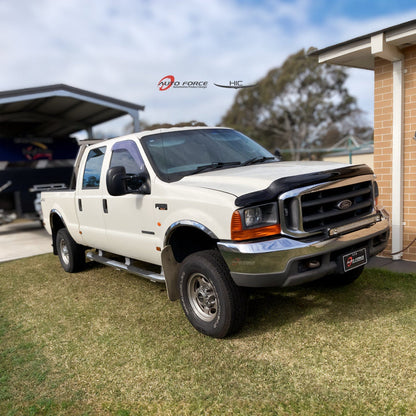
(176, 154)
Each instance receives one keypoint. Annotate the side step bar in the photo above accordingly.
(99, 258)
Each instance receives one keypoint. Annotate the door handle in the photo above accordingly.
(79, 204)
(105, 206)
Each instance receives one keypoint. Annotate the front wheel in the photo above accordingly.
(212, 302)
(71, 255)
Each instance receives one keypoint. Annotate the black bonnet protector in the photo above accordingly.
(282, 185)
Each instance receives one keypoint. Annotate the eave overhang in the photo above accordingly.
(361, 52)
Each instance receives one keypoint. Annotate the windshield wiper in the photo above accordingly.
(257, 159)
(213, 166)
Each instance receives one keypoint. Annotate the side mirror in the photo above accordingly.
(116, 181)
(120, 183)
(140, 183)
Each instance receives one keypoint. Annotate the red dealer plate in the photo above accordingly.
(355, 259)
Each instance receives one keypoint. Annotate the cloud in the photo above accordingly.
(124, 48)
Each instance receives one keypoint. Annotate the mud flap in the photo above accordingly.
(171, 271)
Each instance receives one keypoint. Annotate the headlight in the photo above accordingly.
(255, 222)
(259, 216)
(252, 216)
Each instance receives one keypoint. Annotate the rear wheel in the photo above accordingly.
(212, 302)
(71, 255)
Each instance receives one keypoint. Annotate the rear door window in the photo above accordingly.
(93, 166)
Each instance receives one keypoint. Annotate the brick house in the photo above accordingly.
(391, 54)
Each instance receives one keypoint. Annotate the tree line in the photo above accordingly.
(300, 108)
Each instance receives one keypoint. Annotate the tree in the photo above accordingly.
(298, 106)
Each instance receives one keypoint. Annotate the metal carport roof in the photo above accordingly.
(59, 110)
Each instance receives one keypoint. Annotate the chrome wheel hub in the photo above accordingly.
(63, 248)
(202, 297)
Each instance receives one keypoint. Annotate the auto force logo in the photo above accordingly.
(166, 82)
(169, 81)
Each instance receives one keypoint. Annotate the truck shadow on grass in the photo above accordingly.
(375, 294)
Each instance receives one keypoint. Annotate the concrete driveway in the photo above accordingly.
(23, 239)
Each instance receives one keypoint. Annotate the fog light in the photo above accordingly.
(308, 264)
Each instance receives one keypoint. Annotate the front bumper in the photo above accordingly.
(285, 261)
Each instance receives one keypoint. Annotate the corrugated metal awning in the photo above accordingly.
(58, 110)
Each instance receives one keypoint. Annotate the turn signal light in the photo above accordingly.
(238, 233)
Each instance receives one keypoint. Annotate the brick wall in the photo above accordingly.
(383, 99)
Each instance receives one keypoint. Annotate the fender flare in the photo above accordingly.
(187, 223)
(53, 213)
(169, 263)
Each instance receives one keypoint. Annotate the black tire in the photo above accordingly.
(71, 255)
(212, 302)
(343, 279)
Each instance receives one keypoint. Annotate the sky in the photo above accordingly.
(123, 48)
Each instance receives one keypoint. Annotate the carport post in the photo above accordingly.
(136, 122)
(397, 161)
(382, 49)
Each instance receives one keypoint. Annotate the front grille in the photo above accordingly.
(321, 208)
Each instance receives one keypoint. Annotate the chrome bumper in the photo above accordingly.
(285, 261)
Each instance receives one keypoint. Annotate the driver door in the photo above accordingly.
(129, 219)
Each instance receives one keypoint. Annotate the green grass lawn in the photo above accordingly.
(103, 342)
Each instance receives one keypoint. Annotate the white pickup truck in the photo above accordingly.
(211, 213)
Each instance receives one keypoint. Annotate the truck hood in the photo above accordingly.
(243, 180)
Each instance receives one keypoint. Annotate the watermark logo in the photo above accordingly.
(169, 81)
(235, 85)
(166, 82)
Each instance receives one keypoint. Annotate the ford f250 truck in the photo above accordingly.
(210, 213)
